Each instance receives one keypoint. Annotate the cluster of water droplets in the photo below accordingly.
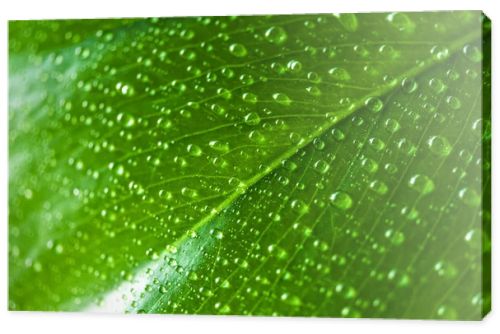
(211, 160)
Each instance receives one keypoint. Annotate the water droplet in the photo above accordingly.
(295, 138)
(470, 197)
(193, 276)
(225, 284)
(348, 21)
(379, 187)
(318, 144)
(252, 118)
(392, 125)
(299, 206)
(313, 90)
(238, 50)
(218, 234)
(401, 22)
(437, 85)
(421, 183)
(396, 237)
(294, 66)
(171, 249)
(376, 143)
(341, 200)
(125, 89)
(407, 147)
(289, 165)
(409, 85)
(225, 309)
(249, 97)
(187, 54)
(439, 145)
(163, 289)
(59, 249)
(120, 170)
(453, 75)
(276, 35)
(446, 312)
(126, 119)
(282, 99)
(339, 74)
(363, 52)
(445, 269)
(338, 134)
(313, 77)
(226, 95)
(247, 79)
(291, 299)
(256, 136)
(453, 102)
(388, 51)
(370, 165)
(219, 146)
(440, 52)
(472, 53)
(152, 254)
(321, 166)
(189, 192)
(391, 168)
(194, 150)
(374, 104)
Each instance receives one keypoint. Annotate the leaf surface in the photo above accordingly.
(288, 165)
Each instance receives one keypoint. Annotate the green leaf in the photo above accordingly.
(309, 165)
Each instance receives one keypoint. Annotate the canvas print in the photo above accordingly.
(319, 165)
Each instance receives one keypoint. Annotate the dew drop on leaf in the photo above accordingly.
(392, 125)
(401, 22)
(439, 145)
(437, 85)
(252, 118)
(370, 165)
(409, 85)
(249, 97)
(189, 192)
(379, 187)
(194, 150)
(313, 77)
(299, 206)
(453, 102)
(256, 136)
(321, 166)
(341, 200)
(470, 197)
(163, 289)
(319, 144)
(276, 35)
(339, 74)
(348, 21)
(421, 183)
(126, 119)
(440, 52)
(472, 53)
(338, 134)
(374, 104)
(282, 99)
(219, 146)
(376, 143)
(294, 66)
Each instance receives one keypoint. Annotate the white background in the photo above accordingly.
(22, 322)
